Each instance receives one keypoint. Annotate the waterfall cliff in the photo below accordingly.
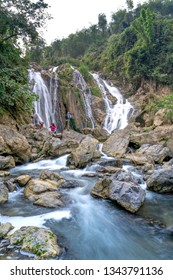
(62, 89)
(117, 114)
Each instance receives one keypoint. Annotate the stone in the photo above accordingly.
(50, 175)
(85, 153)
(116, 145)
(122, 188)
(39, 241)
(22, 180)
(49, 199)
(15, 144)
(36, 187)
(6, 162)
(157, 152)
(161, 180)
(4, 229)
(4, 173)
(3, 193)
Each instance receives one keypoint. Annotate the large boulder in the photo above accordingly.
(3, 193)
(49, 199)
(116, 145)
(43, 192)
(39, 241)
(6, 162)
(85, 153)
(157, 152)
(123, 188)
(161, 180)
(139, 159)
(55, 147)
(15, 144)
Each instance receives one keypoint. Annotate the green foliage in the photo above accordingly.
(15, 93)
(96, 91)
(19, 19)
(166, 103)
(84, 70)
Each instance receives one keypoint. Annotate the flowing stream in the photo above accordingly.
(90, 228)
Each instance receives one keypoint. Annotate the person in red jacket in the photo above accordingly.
(53, 128)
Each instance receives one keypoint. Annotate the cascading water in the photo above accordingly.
(43, 106)
(47, 107)
(116, 115)
(86, 93)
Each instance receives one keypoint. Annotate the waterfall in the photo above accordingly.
(47, 107)
(116, 115)
(86, 93)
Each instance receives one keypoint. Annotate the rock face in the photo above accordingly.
(15, 144)
(161, 181)
(86, 152)
(39, 241)
(6, 162)
(4, 229)
(122, 188)
(3, 193)
(43, 193)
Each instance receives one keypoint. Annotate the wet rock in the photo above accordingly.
(86, 152)
(4, 229)
(10, 185)
(39, 241)
(6, 162)
(22, 180)
(4, 173)
(43, 192)
(50, 175)
(49, 199)
(108, 169)
(69, 184)
(3, 193)
(161, 181)
(35, 187)
(121, 188)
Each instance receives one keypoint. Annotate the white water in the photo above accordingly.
(43, 107)
(86, 93)
(116, 115)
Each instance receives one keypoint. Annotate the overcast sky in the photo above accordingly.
(72, 15)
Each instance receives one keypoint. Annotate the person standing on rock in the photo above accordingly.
(68, 120)
(53, 128)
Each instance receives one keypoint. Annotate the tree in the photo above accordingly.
(21, 19)
(102, 22)
(129, 4)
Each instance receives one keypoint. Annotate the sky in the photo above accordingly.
(70, 16)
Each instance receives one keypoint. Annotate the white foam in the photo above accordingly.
(37, 221)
